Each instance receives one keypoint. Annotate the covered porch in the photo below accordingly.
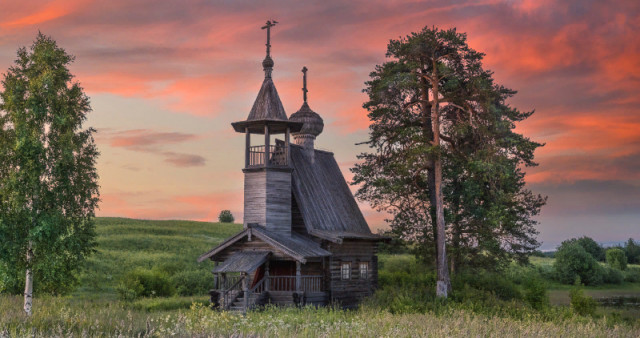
(258, 266)
(253, 278)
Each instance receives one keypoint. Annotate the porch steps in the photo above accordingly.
(254, 299)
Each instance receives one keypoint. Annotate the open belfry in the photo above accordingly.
(305, 241)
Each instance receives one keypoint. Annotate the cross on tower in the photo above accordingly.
(268, 26)
(304, 83)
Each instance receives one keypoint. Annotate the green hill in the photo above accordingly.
(128, 244)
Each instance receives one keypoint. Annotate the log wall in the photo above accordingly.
(350, 292)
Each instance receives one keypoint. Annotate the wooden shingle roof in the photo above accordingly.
(243, 261)
(326, 203)
(295, 246)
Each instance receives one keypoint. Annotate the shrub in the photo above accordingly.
(535, 293)
(617, 259)
(613, 276)
(493, 283)
(582, 304)
(632, 275)
(144, 283)
(192, 282)
(573, 261)
(226, 216)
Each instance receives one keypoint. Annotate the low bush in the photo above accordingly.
(581, 303)
(632, 275)
(144, 283)
(488, 281)
(192, 282)
(613, 276)
(535, 293)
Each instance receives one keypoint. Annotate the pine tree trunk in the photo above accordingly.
(28, 284)
(443, 284)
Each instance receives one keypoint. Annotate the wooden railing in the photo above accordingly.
(229, 281)
(282, 283)
(230, 294)
(259, 287)
(289, 283)
(311, 283)
(277, 156)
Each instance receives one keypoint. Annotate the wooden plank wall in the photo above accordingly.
(267, 199)
(350, 292)
(255, 189)
(278, 211)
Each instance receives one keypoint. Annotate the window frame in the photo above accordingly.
(345, 271)
(366, 270)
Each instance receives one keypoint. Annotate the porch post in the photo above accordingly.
(245, 288)
(224, 281)
(298, 279)
(266, 276)
(216, 281)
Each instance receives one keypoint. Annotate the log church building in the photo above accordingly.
(305, 241)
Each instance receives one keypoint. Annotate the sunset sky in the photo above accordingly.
(166, 79)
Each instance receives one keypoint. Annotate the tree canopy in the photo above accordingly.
(48, 179)
(488, 210)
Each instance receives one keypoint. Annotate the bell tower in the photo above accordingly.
(267, 168)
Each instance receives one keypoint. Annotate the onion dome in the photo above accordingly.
(312, 123)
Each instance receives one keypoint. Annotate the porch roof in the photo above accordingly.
(295, 246)
(243, 261)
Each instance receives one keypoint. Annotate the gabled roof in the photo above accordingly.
(325, 201)
(243, 261)
(296, 246)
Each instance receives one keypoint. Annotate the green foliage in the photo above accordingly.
(494, 283)
(48, 179)
(613, 276)
(573, 261)
(617, 259)
(488, 208)
(632, 250)
(535, 293)
(632, 275)
(225, 216)
(582, 304)
(192, 282)
(145, 283)
(590, 246)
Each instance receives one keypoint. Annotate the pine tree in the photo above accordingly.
(48, 179)
(445, 150)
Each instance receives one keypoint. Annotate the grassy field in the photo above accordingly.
(401, 308)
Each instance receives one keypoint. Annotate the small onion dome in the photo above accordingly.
(312, 122)
(267, 62)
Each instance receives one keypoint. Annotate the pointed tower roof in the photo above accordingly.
(267, 108)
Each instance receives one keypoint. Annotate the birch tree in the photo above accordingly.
(48, 179)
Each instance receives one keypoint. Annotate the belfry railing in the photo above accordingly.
(277, 156)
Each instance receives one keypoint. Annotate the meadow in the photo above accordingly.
(404, 307)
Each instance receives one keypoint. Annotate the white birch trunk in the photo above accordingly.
(28, 284)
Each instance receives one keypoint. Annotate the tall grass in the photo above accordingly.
(70, 317)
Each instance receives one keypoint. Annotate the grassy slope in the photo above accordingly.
(126, 244)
